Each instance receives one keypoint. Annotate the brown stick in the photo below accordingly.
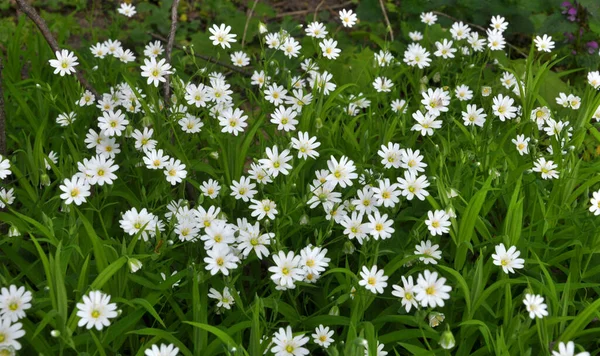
(515, 48)
(41, 24)
(2, 116)
(387, 20)
(304, 12)
(248, 17)
(206, 58)
(170, 43)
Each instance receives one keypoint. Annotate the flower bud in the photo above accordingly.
(447, 340)
(13, 231)
(304, 220)
(486, 91)
(437, 77)
(45, 180)
(348, 248)
(55, 333)
(318, 123)
(135, 265)
(262, 28)
(214, 155)
(435, 319)
(335, 310)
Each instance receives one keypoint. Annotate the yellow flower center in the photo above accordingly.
(371, 281)
(411, 189)
(289, 348)
(155, 73)
(385, 195)
(101, 172)
(435, 224)
(95, 314)
(220, 261)
(285, 271)
(218, 238)
(430, 290)
(310, 263)
(276, 164)
(2, 337)
(13, 306)
(64, 64)
(378, 227)
(253, 241)
(74, 192)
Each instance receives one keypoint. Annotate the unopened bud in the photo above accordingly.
(45, 180)
(335, 310)
(55, 333)
(304, 220)
(348, 248)
(214, 155)
(13, 231)
(447, 340)
(135, 265)
(435, 319)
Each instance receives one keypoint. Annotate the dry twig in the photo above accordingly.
(387, 20)
(2, 116)
(170, 43)
(206, 58)
(248, 17)
(41, 24)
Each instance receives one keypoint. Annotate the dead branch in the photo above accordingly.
(387, 20)
(170, 43)
(43, 27)
(2, 116)
(248, 17)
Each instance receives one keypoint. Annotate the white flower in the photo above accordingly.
(305, 145)
(595, 203)
(75, 190)
(508, 260)
(477, 44)
(126, 9)
(153, 49)
(329, 49)
(262, 208)
(348, 18)
(460, 31)
(66, 119)
(431, 291)
(284, 118)
(399, 105)
(13, 302)
(499, 23)
(425, 123)
(380, 350)
(112, 123)
(313, 259)
(428, 18)
(225, 299)
(220, 259)
(64, 63)
(316, 30)
(386, 194)
(87, 98)
(535, 306)
(406, 292)
(417, 55)
(276, 162)
(438, 222)
(568, 349)
(430, 252)
(390, 155)
(503, 107)
(52, 158)
(354, 227)
(175, 171)
(286, 344)
(143, 140)
(287, 270)
(9, 334)
(463, 93)
(323, 336)
(382, 84)
(155, 159)
(379, 226)
(220, 233)
(101, 170)
(240, 59)
(196, 95)
(221, 35)
(444, 49)
(252, 240)
(373, 279)
(522, 144)
(546, 168)
(96, 310)
(4, 167)
(210, 188)
(474, 116)
(436, 101)
(321, 82)
(163, 350)
(134, 222)
(291, 47)
(415, 36)
(244, 189)
(342, 172)
(233, 121)
(7, 197)
(594, 79)
(413, 186)
(495, 40)
(155, 71)
(544, 44)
